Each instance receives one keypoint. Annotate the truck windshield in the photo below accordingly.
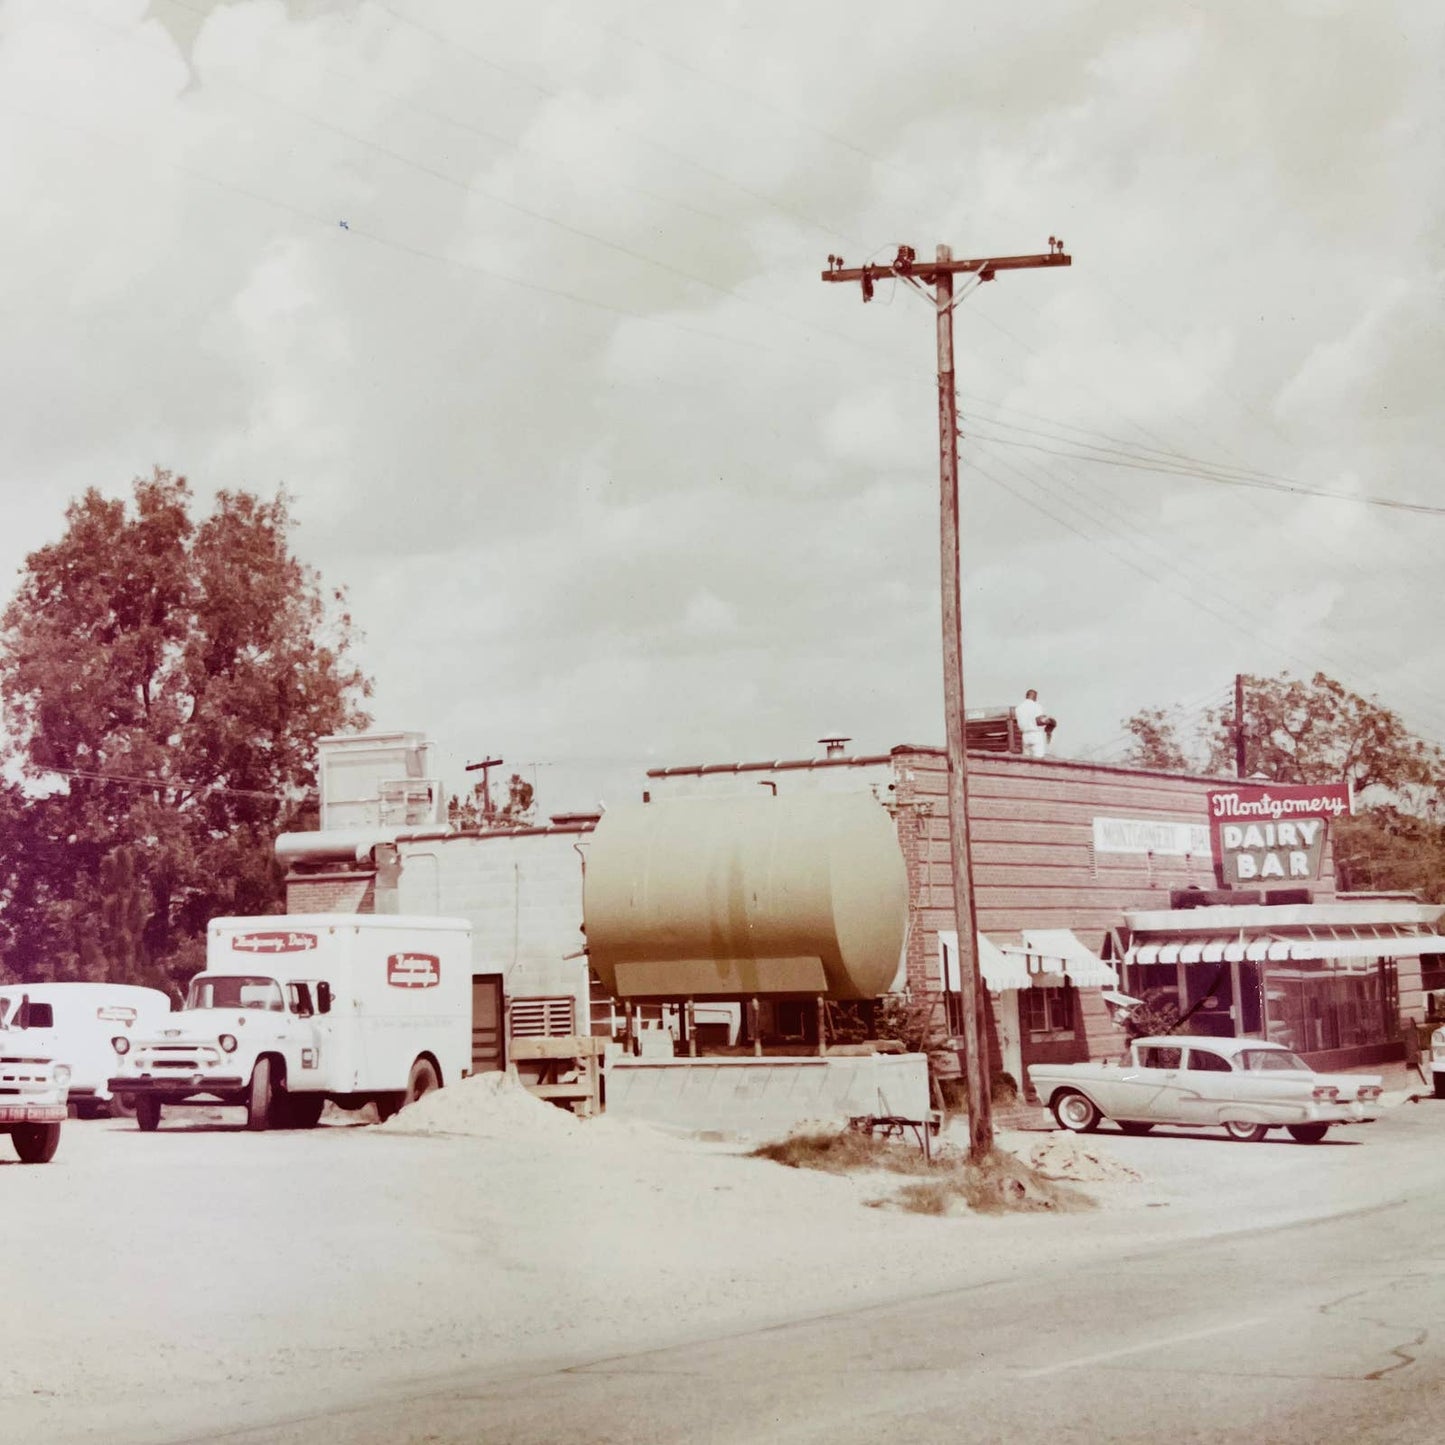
(215, 990)
(1261, 1061)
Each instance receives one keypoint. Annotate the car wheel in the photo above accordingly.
(1245, 1133)
(1308, 1133)
(147, 1113)
(1134, 1126)
(1075, 1112)
(36, 1143)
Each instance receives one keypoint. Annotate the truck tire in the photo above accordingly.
(302, 1111)
(387, 1105)
(1439, 1079)
(147, 1113)
(36, 1143)
(122, 1106)
(422, 1081)
(262, 1101)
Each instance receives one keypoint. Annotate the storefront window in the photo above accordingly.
(1049, 1012)
(1332, 1003)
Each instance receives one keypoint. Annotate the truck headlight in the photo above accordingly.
(120, 1044)
(61, 1073)
(227, 1043)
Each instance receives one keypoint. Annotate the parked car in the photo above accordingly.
(1245, 1086)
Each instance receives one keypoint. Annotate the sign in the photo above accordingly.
(1151, 835)
(1274, 832)
(276, 941)
(413, 970)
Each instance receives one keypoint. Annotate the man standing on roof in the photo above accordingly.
(1035, 726)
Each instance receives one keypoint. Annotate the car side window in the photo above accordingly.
(1159, 1057)
(1209, 1063)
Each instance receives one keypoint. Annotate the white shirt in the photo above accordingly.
(1028, 713)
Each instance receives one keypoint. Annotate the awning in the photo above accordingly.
(1046, 957)
(1321, 942)
(998, 969)
(1056, 950)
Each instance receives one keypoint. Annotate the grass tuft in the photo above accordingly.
(1000, 1183)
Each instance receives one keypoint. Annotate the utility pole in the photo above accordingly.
(1238, 724)
(939, 275)
(485, 768)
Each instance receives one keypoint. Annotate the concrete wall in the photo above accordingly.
(767, 1095)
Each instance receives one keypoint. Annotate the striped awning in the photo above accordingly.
(1323, 941)
(1046, 958)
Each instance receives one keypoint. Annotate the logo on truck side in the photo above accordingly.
(273, 942)
(413, 970)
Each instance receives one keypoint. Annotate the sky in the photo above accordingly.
(523, 307)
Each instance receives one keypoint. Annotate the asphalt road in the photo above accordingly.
(1327, 1330)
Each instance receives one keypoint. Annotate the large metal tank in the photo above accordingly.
(794, 895)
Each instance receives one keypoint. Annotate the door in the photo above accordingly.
(489, 1042)
(1010, 1039)
(1143, 1090)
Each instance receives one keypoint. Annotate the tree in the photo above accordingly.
(165, 681)
(1156, 745)
(481, 810)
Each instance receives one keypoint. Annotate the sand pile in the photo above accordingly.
(485, 1106)
(1066, 1156)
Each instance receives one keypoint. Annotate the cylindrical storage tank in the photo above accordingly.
(800, 895)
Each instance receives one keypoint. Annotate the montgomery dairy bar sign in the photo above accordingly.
(1273, 832)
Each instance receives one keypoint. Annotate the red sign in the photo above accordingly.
(276, 941)
(413, 970)
(1273, 832)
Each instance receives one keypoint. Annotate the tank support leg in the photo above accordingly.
(754, 1028)
(822, 1026)
(689, 1024)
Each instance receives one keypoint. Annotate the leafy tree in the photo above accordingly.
(166, 679)
(481, 810)
(1156, 744)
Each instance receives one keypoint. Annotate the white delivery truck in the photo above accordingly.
(84, 1018)
(32, 1087)
(297, 1009)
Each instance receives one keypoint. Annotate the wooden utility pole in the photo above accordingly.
(485, 769)
(939, 275)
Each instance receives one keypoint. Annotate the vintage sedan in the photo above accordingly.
(1244, 1086)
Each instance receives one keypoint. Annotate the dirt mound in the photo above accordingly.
(1066, 1156)
(485, 1106)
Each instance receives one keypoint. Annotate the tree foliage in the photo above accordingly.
(165, 680)
(480, 809)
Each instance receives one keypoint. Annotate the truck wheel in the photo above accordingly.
(1308, 1133)
(122, 1106)
(261, 1104)
(303, 1111)
(147, 1113)
(36, 1143)
(423, 1080)
(1075, 1112)
(1439, 1079)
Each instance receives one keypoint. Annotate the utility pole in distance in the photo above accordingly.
(939, 275)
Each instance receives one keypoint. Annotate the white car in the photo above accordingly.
(1245, 1086)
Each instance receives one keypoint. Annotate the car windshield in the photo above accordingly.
(1261, 1061)
(215, 990)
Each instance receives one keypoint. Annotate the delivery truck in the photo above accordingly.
(80, 1020)
(294, 1010)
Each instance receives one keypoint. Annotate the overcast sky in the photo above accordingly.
(522, 305)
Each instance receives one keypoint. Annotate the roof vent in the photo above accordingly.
(834, 745)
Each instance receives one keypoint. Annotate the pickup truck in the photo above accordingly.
(1245, 1086)
(33, 1089)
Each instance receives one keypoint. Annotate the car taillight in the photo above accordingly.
(1326, 1092)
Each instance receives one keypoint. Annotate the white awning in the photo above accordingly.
(999, 970)
(1045, 958)
(1323, 942)
(1056, 950)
